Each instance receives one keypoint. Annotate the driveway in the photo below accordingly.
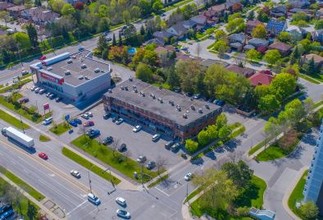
(314, 91)
(281, 174)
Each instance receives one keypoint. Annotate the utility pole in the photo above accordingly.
(88, 172)
(22, 125)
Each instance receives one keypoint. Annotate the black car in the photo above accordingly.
(107, 140)
(106, 116)
(169, 144)
(175, 147)
(151, 165)
(122, 147)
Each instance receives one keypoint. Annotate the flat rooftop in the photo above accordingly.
(165, 102)
(78, 64)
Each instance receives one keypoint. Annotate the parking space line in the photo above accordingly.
(78, 206)
(162, 191)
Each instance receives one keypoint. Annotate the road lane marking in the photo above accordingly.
(162, 191)
(78, 206)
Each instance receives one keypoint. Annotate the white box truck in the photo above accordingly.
(18, 136)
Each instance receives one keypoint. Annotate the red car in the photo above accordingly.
(43, 155)
(88, 123)
(42, 57)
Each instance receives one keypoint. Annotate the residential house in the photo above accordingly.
(178, 30)
(155, 41)
(237, 41)
(5, 5)
(2, 32)
(251, 24)
(318, 35)
(263, 77)
(214, 13)
(299, 3)
(257, 42)
(319, 13)
(188, 24)
(209, 62)
(162, 36)
(283, 48)
(278, 11)
(246, 72)
(233, 5)
(274, 27)
(200, 21)
(40, 16)
(16, 11)
(318, 60)
(295, 32)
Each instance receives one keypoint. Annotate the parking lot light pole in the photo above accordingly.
(22, 125)
(90, 182)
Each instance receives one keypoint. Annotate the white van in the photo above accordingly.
(47, 121)
(94, 199)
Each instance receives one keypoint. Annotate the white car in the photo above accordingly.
(119, 121)
(137, 128)
(94, 199)
(121, 201)
(85, 116)
(123, 213)
(75, 173)
(188, 176)
(89, 114)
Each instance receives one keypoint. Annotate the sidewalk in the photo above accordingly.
(125, 184)
(48, 213)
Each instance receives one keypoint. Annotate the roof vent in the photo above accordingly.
(87, 78)
(161, 101)
(97, 70)
(109, 90)
(83, 66)
(193, 107)
(178, 108)
(80, 77)
(49, 68)
(134, 86)
(130, 79)
(152, 95)
(135, 90)
(207, 106)
(67, 73)
(69, 61)
(200, 110)
(74, 57)
(191, 99)
(171, 102)
(184, 115)
(126, 88)
(122, 88)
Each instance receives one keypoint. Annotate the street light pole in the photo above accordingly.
(22, 125)
(88, 172)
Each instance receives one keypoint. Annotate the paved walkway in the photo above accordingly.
(48, 213)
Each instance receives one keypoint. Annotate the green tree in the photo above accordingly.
(319, 24)
(157, 6)
(102, 43)
(114, 41)
(253, 54)
(191, 146)
(32, 34)
(309, 210)
(221, 121)
(251, 15)
(37, 3)
(221, 46)
(236, 25)
(172, 77)
(283, 85)
(239, 173)
(221, 193)
(220, 35)
(103, 11)
(203, 138)
(22, 40)
(214, 76)
(67, 9)
(56, 5)
(309, 67)
(293, 112)
(126, 16)
(268, 104)
(294, 57)
(31, 211)
(103, 25)
(272, 56)
(284, 37)
(259, 31)
(224, 132)
(144, 73)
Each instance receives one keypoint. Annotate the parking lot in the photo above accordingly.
(139, 143)
(59, 109)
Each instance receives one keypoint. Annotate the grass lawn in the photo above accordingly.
(317, 104)
(12, 120)
(194, 193)
(256, 147)
(87, 164)
(272, 152)
(297, 194)
(309, 78)
(60, 128)
(252, 197)
(16, 85)
(44, 138)
(318, 77)
(23, 208)
(178, 4)
(237, 132)
(21, 111)
(118, 161)
(29, 189)
(159, 180)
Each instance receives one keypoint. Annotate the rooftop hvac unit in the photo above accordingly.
(83, 66)
(122, 88)
(171, 102)
(109, 90)
(135, 90)
(193, 107)
(126, 88)
(67, 73)
(69, 61)
(152, 95)
(80, 77)
(161, 101)
(134, 86)
(207, 106)
(200, 110)
(87, 78)
(143, 94)
(97, 70)
(184, 115)
(130, 79)
(49, 68)
(74, 57)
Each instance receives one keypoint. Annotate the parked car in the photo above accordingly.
(58, 99)
(106, 115)
(219, 102)
(48, 94)
(75, 173)
(78, 121)
(37, 90)
(175, 147)
(89, 114)
(122, 147)
(24, 72)
(73, 123)
(123, 213)
(137, 128)
(119, 121)
(188, 176)
(177, 89)
(85, 116)
(23, 100)
(92, 133)
(141, 159)
(52, 96)
(121, 201)
(169, 144)
(151, 165)
(43, 57)
(107, 140)
(33, 88)
(197, 96)
(88, 123)
(42, 91)
(156, 137)
(48, 121)
(93, 199)
(43, 155)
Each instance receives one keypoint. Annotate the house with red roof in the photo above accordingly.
(263, 77)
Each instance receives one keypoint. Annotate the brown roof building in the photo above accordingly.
(251, 24)
(318, 60)
(283, 48)
(246, 72)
